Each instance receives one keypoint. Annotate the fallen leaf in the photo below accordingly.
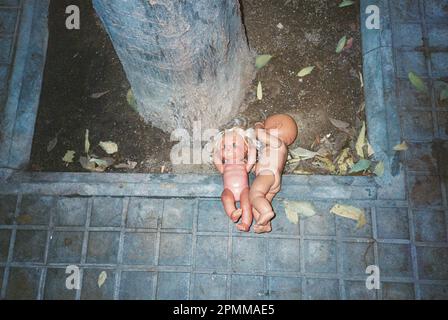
(370, 151)
(325, 163)
(94, 164)
(401, 147)
(53, 142)
(259, 91)
(350, 212)
(304, 172)
(68, 157)
(295, 209)
(349, 44)
(127, 165)
(102, 278)
(361, 141)
(344, 161)
(262, 60)
(417, 82)
(109, 147)
(131, 99)
(339, 124)
(444, 94)
(341, 44)
(302, 154)
(86, 142)
(361, 166)
(305, 71)
(346, 3)
(361, 79)
(98, 95)
(379, 169)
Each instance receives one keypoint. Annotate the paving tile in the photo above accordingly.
(439, 63)
(411, 61)
(395, 260)
(23, 283)
(178, 214)
(285, 288)
(90, 289)
(248, 254)
(55, 285)
(397, 291)
(209, 287)
(137, 285)
(320, 256)
(321, 224)
(405, 10)
(283, 255)
(36, 210)
(247, 288)
(103, 247)
(173, 286)
(175, 249)
(438, 35)
(408, 35)
(5, 236)
(392, 223)
(71, 212)
(281, 224)
(8, 19)
(346, 228)
(7, 209)
(144, 213)
(436, 9)
(106, 212)
(434, 292)
(409, 98)
(2, 271)
(425, 191)
(430, 225)
(5, 48)
(443, 124)
(357, 290)
(211, 217)
(10, 3)
(441, 104)
(65, 247)
(211, 252)
(139, 248)
(357, 257)
(417, 125)
(432, 262)
(322, 289)
(420, 157)
(30, 246)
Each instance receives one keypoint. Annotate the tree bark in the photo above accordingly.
(186, 60)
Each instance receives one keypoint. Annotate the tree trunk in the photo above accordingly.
(186, 60)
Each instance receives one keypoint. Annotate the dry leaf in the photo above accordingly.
(302, 154)
(262, 60)
(350, 212)
(379, 169)
(98, 95)
(341, 44)
(339, 124)
(109, 147)
(86, 142)
(361, 141)
(401, 147)
(68, 157)
(53, 142)
(127, 165)
(296, 209)
(102, 278)
(305, 71)
(259, 91)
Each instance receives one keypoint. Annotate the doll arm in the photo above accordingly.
(268, 139)
(251, 156)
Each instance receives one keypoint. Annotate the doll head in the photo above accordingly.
(234, 145)
(283, 127)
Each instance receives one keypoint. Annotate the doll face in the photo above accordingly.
(233, 146)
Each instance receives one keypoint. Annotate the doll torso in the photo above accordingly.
(235, 179)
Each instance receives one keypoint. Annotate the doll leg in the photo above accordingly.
(261, 229)
(228, 201)
(258, 197)
(246, 220)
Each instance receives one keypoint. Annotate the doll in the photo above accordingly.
(234, 156)
(275, 135)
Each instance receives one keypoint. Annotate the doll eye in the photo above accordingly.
(234, 145)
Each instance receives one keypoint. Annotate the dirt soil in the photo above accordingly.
(297, 33)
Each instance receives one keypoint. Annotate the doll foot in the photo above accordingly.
(263, 229)
(236, 215)
(243, 227)
(265, 218)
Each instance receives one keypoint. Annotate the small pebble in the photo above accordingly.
(280, 26)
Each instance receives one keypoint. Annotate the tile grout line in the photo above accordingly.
(340, 262)
(193, 248)
(84, 246)
(124, 212)
(379, 292)
(12, 240)
(157, 251)
(302, 258)
(229, 260)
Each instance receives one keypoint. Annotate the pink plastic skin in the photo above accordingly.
(234, 158)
